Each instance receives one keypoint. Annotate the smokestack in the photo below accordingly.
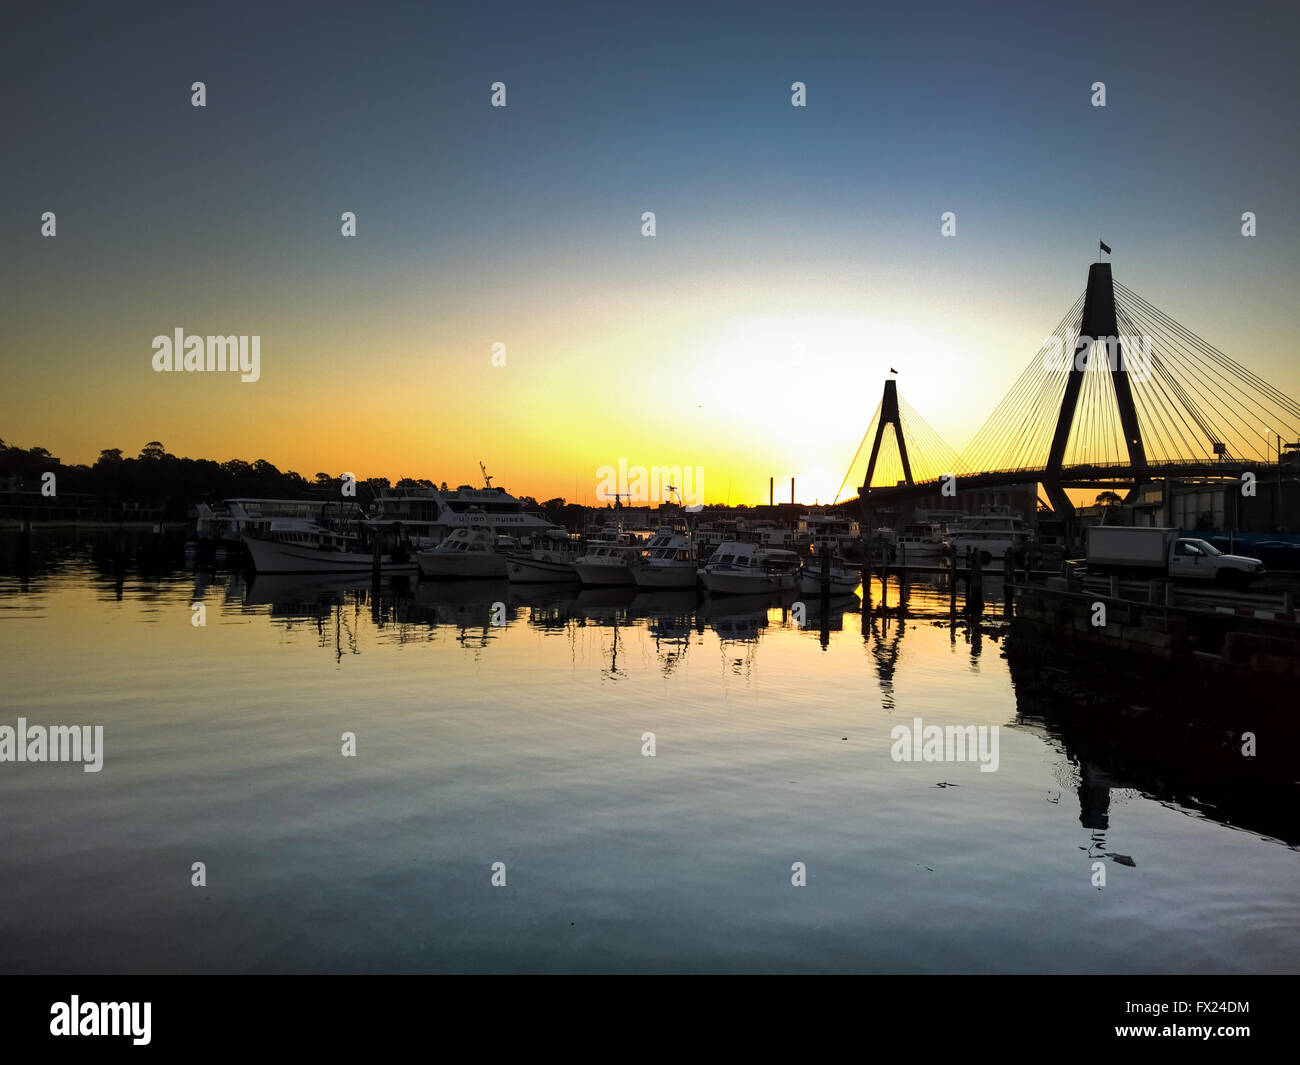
(771, 491)
(792, 491)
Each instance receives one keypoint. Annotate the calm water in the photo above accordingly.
(522, 743)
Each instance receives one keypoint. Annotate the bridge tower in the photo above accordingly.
(1098, 321)
(888, 416)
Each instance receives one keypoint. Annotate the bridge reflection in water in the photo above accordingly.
(1109, 738)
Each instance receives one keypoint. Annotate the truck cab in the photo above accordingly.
(1194, 559)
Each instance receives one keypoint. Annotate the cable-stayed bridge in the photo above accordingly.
(1120, 394)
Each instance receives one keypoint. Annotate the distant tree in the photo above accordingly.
(1108, 499)
(324, 480)
(108, 455)
(153, 451)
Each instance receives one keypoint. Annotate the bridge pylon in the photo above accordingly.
(888, 416)
(1098, 322)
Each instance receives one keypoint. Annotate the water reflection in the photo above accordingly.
(507, 720)
(1118, 740)
(1108, 744)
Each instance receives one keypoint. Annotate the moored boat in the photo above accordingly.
(468, 553)
(669, 562)
(740, 569)
(296, 546)
(548, 560)
(609, 560)
(842, 577)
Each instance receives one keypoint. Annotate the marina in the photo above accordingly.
(421, 670)
(718, 490)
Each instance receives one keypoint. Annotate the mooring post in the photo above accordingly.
(374, 556)
(952, 578)
(1008, 581)
(975, 584)
(826, 570)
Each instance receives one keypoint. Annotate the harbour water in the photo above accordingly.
(500, 725)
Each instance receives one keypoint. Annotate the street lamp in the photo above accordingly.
(1277, 514)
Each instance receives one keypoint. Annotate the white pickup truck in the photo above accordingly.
(1156, 552)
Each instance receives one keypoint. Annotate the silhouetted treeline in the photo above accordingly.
(157, 478)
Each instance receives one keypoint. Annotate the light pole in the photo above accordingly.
(1277, 477)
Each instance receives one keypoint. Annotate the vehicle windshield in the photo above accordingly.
(1209, 549)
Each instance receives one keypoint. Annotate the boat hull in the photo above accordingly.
(665, 576)
(603, 575)
(267, 556)
(462, 566)
(810, 583)
(527, 570)
(747, 583)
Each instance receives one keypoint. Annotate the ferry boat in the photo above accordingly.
(608, 560)
(230, 520)
(430, 515)
(771, 534)
(292, 545)
(669, 562)
(467, 554)
(739, 568)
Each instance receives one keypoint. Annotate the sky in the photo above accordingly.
(797, 253)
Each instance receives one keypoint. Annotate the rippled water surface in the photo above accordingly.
(522, 743)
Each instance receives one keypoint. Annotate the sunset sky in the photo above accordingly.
(798, 253)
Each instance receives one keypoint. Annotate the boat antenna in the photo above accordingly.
(686, 519)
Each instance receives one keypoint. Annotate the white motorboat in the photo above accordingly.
(739, 569)
(991, 534)
(609, 560)
(292, 545)
(843, 578)
(467, 554)
(549, 559)
(669, 562)
(922, 544)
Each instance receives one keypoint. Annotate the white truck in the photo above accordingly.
(1155, 552)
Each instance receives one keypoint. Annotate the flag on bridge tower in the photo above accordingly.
(1104, 246)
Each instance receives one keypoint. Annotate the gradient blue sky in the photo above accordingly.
(776, 226)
